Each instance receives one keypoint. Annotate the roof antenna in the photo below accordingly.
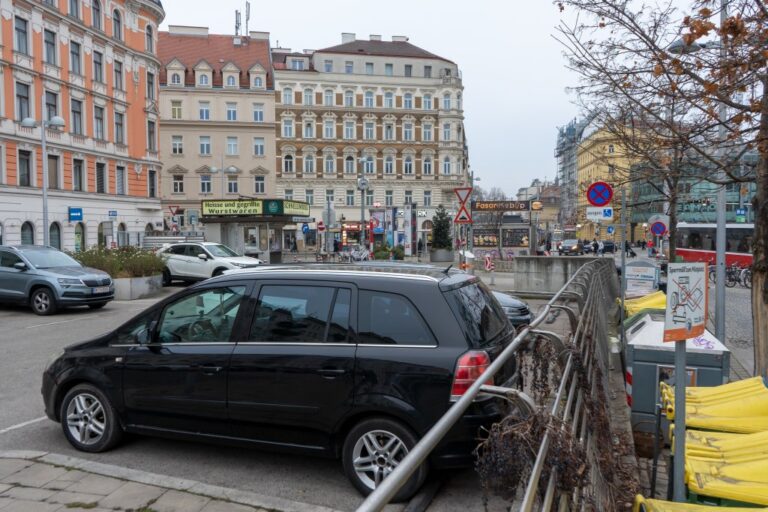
(448, 269)
(247, 17)
(237, 22)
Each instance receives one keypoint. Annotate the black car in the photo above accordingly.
(572, 246)
(609, 246)
(342, 361)
(516, 310)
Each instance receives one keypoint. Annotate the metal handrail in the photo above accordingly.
(381, 496)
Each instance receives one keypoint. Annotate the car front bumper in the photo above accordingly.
(83, 295)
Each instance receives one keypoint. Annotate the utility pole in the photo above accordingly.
(720, 230)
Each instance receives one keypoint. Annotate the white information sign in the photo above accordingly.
(686, 301)
(599, 213)
(642, 279)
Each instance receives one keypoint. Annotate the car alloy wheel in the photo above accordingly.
(42, 302)
(86, 419)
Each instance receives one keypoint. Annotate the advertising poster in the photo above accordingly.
(485, 238)
(407, 230)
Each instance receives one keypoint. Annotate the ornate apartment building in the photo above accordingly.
(93, 64)
(217, 110)
(386, 110)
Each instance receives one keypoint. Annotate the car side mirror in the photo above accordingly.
(144, 336)
(20, 265)
(202, 256)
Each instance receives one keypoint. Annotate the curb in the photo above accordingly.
(168, 482)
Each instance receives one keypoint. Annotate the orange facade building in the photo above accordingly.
(94, 64)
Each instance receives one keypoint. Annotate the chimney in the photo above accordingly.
(182, 30)
(347, 37)
(399, 39)
(255, 34)
(375, 37)
(308, 52)
(237, 40)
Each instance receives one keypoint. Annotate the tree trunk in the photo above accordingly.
(673, 223)
(760, 265)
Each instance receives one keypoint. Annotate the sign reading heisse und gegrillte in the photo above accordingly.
(233, 207)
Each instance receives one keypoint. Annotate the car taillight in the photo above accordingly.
(469, 368)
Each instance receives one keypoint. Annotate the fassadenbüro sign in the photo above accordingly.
(504, 206)
(234, 207)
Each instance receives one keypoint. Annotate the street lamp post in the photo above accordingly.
(54, 122)
(362, 185)
(223, 170)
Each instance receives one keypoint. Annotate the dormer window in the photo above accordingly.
(297, 64)
(258, 82)
(203, 79)
(230, 81)
(175, 79)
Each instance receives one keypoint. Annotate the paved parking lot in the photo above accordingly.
(27, 343)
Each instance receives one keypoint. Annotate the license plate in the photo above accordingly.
(100, 289)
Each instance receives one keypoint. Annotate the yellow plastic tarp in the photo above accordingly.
(715, 394)
(732, 448)
(735, 424)
(744, 401)
(655, 300)
(651, 505)
(738, 482)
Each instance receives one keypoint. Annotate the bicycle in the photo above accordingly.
(746, 277)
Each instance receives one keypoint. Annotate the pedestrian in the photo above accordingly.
(595, 245)
(420, 246)
(627, 248)
(642, 244)
(294, 248)
(649, 245)
(600, 248)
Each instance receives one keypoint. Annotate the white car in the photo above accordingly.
(195, 261)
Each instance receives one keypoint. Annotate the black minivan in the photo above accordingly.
(356, 362)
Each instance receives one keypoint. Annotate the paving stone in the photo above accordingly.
(36, 475)
(4, 502)
(4, 487)
(132, 495)
(67, 497)
(96, 484)
(175, 501)
(28, 493)
(78, 509)
(11, 466)
(223, 506)
(73, 475)
(30, 506)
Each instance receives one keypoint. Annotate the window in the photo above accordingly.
(308, 94)
(369, 130)
(349, 67)
(611, 149)
(309, 130)
(98, 66)
(205, 145)
(446, 101)
(408, 70)
(74, 58)
(369, 68)
(309, 163)
(258, 82)
(389, 100)
(329, 197)
(368, 165)
(175, 79)
(205, 184)
(368, 99)
(178, 183)
(389, 164)
(176, 109)
(152, 183)
(22, 36)
(388, 198)
(232, 184)
(120, 180)
(258, 112)
(407, 131)
(204, 108)
(611, 169)
(151, 136)
(408, 166)
(230, 81)
(203, 80)
(177, 145)
(328, 66)
(204, 317)
(119, 128)
(349, 99)
(22, 101)
(53, 172)
(349, 130)
(328, 98)
(150, 85)
(287, 128)
(426, 132)
(118, 72)
(288, 163)
(329, 129)
(98, 126)
(117, 25)
(101, 178)
(446, 165)
(78, 177)
(369, 197)
(258, 146)
(27, 234)
(427, 71)
(288, 96)
(231, 111)
(258, 184)
(77, 117)
(232, 146)
(458, 101)
(25, 169)
(389, 319)
(74, 8)
(49, 40)
(349, 165)
(427, 198)
(329, 163)
(350, 198)
(388, 69)
(427, 100)
(96, 13)
(51, 105)
(288, 194)
(297, 64)
(408, 100)
(149, 39)
(446, 131)
(427, 165)
(408, 197)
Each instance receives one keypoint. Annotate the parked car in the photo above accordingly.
(609, 247)
(516, 310)
(352, 253)
(570, 247)
(47, 279)
(324, 359)
(195, 261)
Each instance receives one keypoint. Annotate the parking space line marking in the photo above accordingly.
(22, 425)
(52, 323)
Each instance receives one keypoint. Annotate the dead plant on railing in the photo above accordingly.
(537, 369)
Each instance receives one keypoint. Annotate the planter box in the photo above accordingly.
(441, 255)
(131, 288)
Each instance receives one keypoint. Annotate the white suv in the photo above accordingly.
(194, 261)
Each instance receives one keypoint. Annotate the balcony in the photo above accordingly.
(52, 71)
(23, 60)
(75, 79)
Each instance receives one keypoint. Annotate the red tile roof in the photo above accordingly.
(217, 50)
(384, 49)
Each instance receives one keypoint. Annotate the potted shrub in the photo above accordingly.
(136, 273)
(442, 246)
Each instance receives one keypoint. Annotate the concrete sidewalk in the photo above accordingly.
(45, 482)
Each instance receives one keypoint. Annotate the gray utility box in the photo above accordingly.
(650, 360)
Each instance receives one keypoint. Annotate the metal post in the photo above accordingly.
(623, 261)
(44, 150)
(681, 376)
(362, 218)
(720, 231)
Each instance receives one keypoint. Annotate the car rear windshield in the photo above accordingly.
(49, 259)
(478, 312)
(222, 251)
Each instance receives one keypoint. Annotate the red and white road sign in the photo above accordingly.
(463, 216)
(489, 265)
(320, 226)
(174, 209)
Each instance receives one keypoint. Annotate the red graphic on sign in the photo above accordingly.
(320, 226)
(463, 216)
(599, 193)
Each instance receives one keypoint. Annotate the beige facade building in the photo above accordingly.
(388, 111)
(217, 109)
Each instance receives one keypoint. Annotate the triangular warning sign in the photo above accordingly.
(463, 194)
(463, 217)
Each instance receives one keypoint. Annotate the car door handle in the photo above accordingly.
(331, 373)
(212, 370)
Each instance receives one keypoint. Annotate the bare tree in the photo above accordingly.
(638, 58)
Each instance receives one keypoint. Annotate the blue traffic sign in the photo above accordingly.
(599, 193)
(305, 228)
(75, 214)
(113, 213)
(610, 230)
(658, 228)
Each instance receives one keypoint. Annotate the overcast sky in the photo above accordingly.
(514, 78)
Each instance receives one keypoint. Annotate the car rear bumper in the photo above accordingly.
(457, 448)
